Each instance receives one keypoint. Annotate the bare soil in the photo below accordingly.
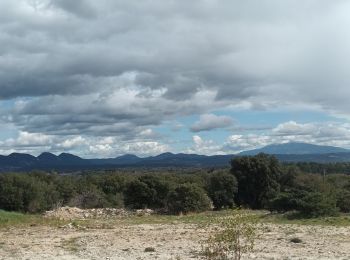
(179, 241)
(114, 239)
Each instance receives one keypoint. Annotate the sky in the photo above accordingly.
(110, 77)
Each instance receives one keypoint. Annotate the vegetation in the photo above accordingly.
(256, 182)
(222, 188)
(233, 237)
(188, 198)
(257, 178)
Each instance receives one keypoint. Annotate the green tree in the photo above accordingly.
(187, 198)
(258, 179)
(343, 200)
(138, 195)
(316, 204)
(160, 188)
(221, 188)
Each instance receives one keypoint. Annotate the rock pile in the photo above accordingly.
(144, 212)
(67, 213)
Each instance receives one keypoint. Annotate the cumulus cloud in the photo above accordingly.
(293, 128)
(25, 139)
(210, 121)
(201, 146)
(89, 147)
(117, 68)
(239, 143)
(334, 134)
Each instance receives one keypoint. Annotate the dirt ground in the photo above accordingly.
(167, 241)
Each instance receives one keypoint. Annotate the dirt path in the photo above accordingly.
(179, 241)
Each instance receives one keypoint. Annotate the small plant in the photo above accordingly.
(150, 249)
(233, 236)
(296, 240)
(71, 244)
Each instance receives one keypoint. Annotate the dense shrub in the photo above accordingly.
(258, 179)
(256, 182)
(187, 198)
(89, 199)
(221, 188)
(138, 195)
(308, 204)
(343, 201)
(284, 201)
(316, 204)
(26, 193)
(160, 189)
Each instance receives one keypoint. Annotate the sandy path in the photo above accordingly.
(178, 241)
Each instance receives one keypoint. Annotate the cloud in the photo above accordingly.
(201, 146)
(86, 146)
(293, 128)
(105, 68)
(334, 134)
(81, 8)
(239, 143)
(209, 122)
(48, 52)
(72, 143)
(26, 139)
(101, 114)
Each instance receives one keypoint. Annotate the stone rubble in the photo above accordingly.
(69, 213)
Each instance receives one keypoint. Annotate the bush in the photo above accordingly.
(316, 204)
(283, 202)
(26, 193)
(160, 190)
(89, 199)
(138, 195)
(187, 198)
(258, 179)
(234, 237)
(287, 201)
(221, 189)
(343, 201)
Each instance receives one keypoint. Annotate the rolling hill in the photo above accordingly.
(297, 149)
(289, 152)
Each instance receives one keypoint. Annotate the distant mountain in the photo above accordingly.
(296, 149)
(47, 157)
(289, 152)
(127, 159)
(188, 160)
(71, 159)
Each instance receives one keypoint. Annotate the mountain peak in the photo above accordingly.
(165, 154)
(295, 148)
(69, 156)
(46, 155)
(128, 156)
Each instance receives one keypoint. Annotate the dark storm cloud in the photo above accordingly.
(78, 7)
(128, 64)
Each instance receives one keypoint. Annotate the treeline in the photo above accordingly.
(258, 182)
(168, 192)
(264, 183)
(326, 168)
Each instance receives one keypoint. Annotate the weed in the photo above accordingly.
(150, 249)
(233, 237)
(71, 244)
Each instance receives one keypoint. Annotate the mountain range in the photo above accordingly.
(288, 152)
(296, 148)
